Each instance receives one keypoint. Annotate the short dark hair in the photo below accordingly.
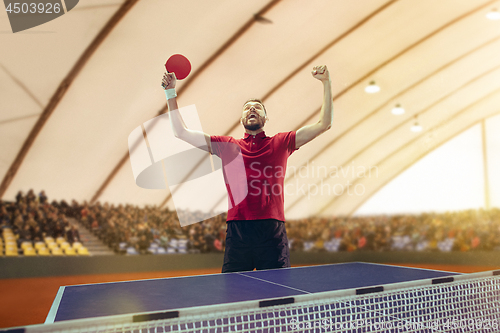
(258, 101)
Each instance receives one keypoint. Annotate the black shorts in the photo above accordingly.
(260, 244)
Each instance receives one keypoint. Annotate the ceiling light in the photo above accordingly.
(398, 110)
(416, 127)
(372, 88)
(493, 15)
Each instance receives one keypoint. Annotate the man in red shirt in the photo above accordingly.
(256, 234)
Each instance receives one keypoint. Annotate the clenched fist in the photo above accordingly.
(321, 73)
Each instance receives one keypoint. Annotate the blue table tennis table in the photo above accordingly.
(108, 299)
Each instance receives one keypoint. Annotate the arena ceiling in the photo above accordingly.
(73, 89)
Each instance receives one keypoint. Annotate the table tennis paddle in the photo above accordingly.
(179, 65)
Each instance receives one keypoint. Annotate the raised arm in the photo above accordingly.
(309, 132)
(196, 138)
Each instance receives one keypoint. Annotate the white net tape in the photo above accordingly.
(454, 307)
(469, 304)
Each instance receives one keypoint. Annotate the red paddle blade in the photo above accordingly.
(179, 65)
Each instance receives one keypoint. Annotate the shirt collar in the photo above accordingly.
(260, 135)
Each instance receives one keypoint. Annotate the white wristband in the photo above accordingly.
(170, 93)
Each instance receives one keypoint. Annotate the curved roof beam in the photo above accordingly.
(367, 76)
(382, 65)
(301, 67)
(464, 110)
(61, 91)
(187, 83)
(395, 128)
(257, 17)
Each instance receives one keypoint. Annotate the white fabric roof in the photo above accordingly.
(438, 59)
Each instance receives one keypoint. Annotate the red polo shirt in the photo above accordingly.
(265, 167)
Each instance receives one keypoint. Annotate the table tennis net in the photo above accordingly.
(460, 303)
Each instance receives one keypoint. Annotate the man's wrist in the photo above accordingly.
(170, 93)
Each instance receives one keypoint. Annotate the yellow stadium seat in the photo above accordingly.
(26, 244)
(29, 251)
(49, 239)
(11, 238)
(77, 245)
(52, 245)
(56, 251)
(60, 240)
(39, 245)
(69, 251)
(43, 251)
(64, 245)
(83, 251)
(10, 248)
(10, 253)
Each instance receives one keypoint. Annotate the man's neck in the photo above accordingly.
(254, 132)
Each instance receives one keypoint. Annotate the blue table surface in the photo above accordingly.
(105, 299)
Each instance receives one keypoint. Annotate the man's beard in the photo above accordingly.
(253, 127)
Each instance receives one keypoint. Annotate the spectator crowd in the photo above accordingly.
(468, 230)
(148, 229)
(125, 226)
(32, 218)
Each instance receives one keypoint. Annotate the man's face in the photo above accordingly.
(253, 116)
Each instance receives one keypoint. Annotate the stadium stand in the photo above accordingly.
(122, 228)
(32, 226)
(131, 230)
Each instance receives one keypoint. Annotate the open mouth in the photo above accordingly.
(252, 116)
